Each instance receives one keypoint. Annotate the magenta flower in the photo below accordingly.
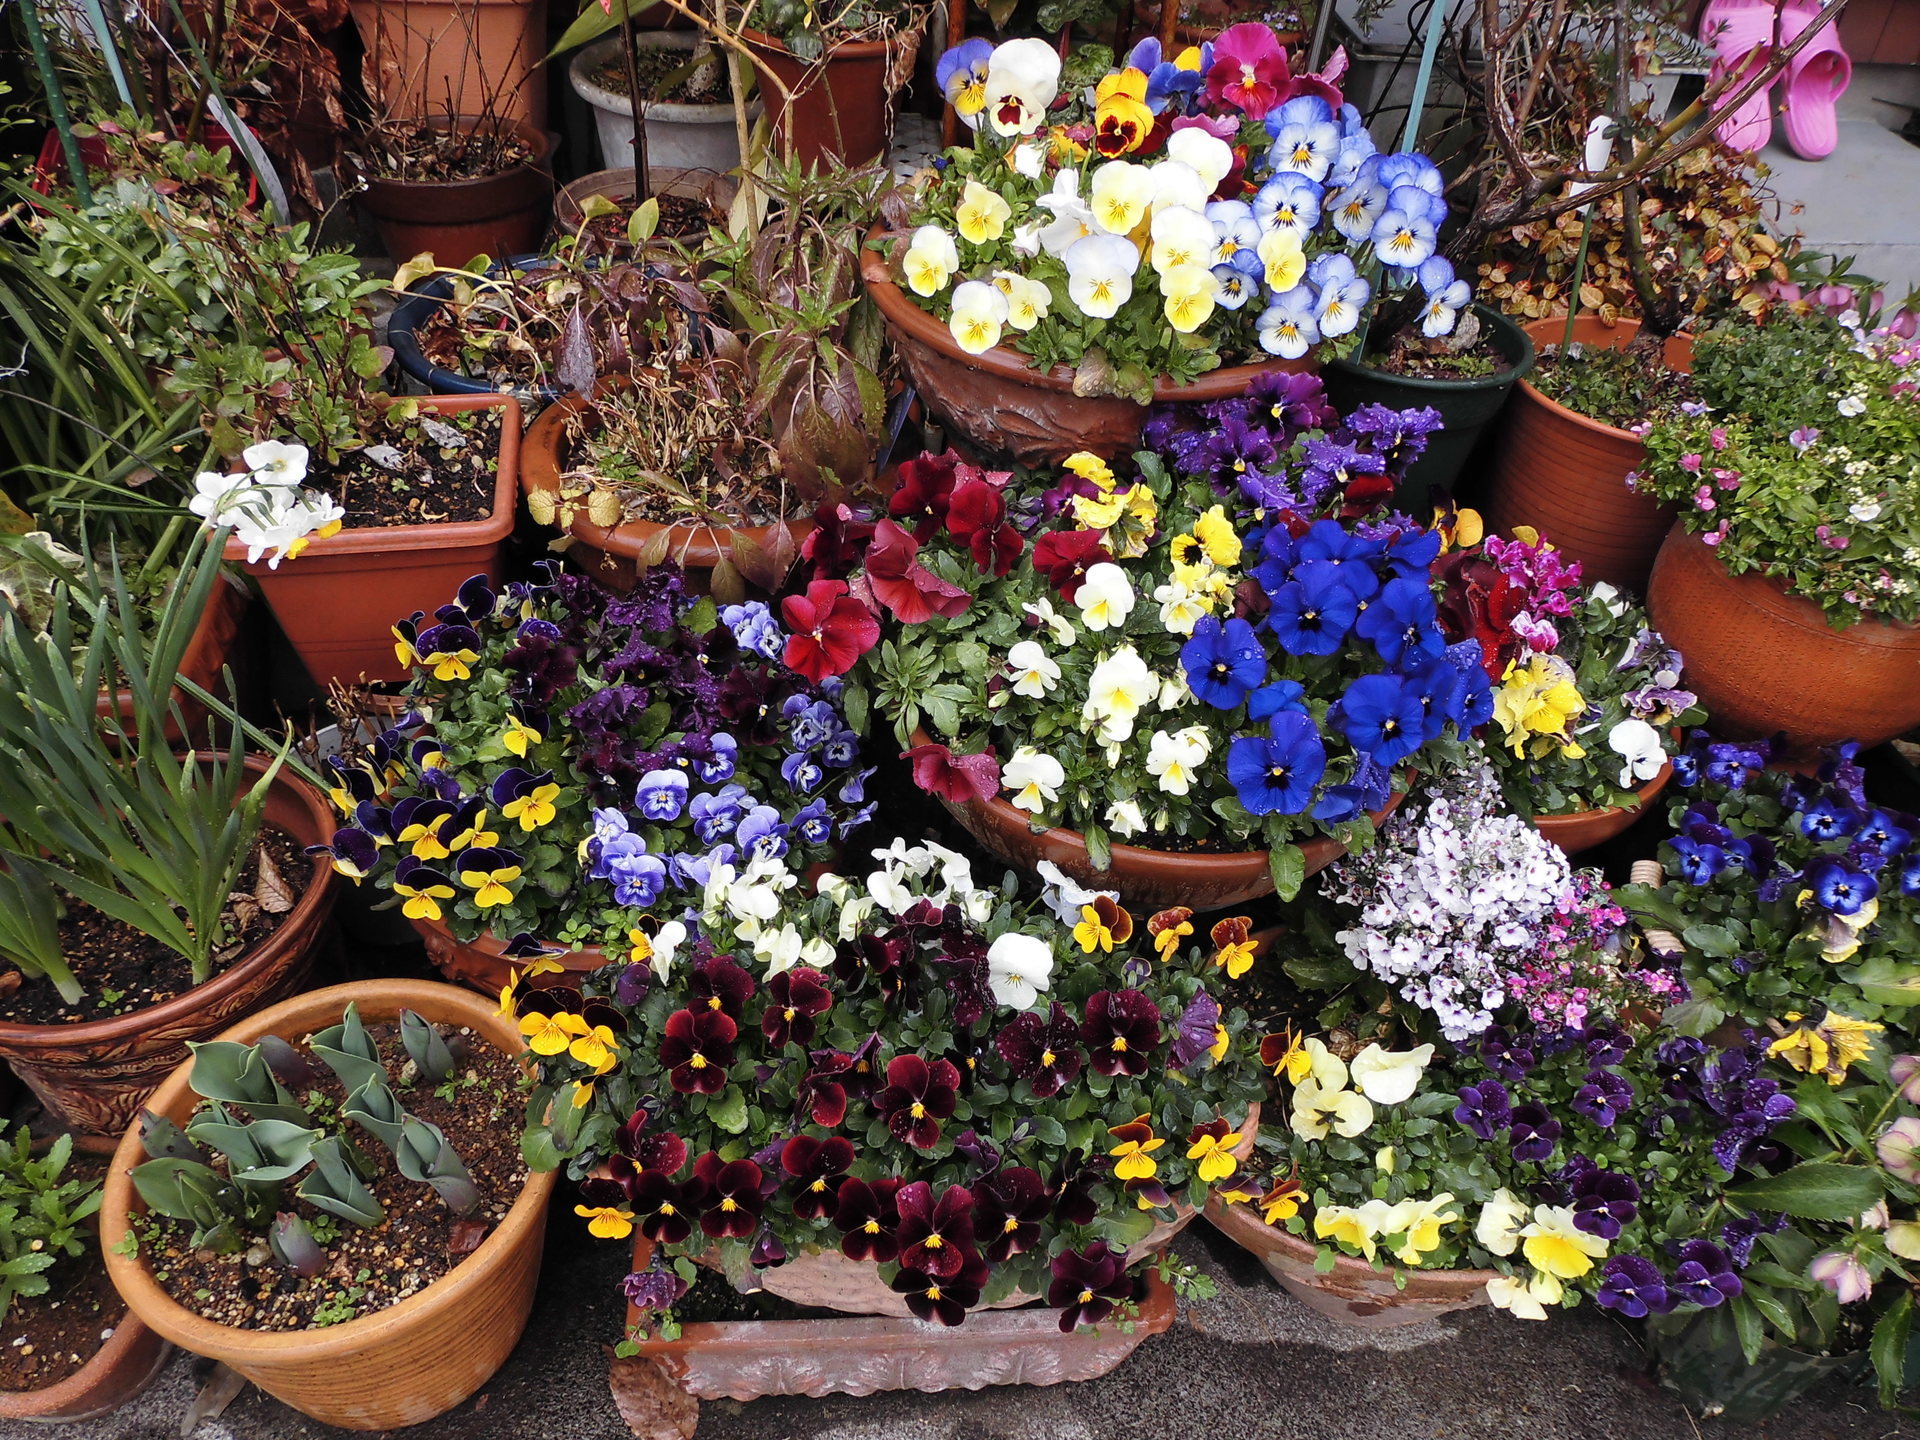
(1249, 70)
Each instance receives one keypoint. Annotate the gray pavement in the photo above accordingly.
(1250, 1364)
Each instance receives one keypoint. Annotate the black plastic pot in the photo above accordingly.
(403, 337)
(1465, 406)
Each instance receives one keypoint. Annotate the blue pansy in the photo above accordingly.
(1223, 661)
(1276, 774)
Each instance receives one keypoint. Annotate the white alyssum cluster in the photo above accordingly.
(1451, 900)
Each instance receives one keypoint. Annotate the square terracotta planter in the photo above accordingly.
(658, 1390)
(338, 601)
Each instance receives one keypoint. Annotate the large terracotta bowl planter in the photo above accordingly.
(614, 555)
(399, 1366)
(1353, 1292)
(1566, 475)
(123, 1367)
(1466, 406)
(337, 601)
(1147, 880)
(481, 964)
(210, 648)
(455, 220)
(836, 108)
(998, 402)
(658, 1390)
(95, 1075)
(1585, 829)
(1763, 661)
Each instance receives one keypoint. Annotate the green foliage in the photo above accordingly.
(121, 821)
(43, 1214)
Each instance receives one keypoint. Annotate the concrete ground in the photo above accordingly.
(1864, 199)
(1250, 1364)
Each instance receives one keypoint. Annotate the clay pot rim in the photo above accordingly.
(1158, 1301)
(1305, 1251)
(52, 1402)
(672, 112)
(1646, 794)
(1763, 591)
(1574, 417)
(540, 470)
(1008, 364)
(379, 999)
(1504, 325)
(537, 139)
(838, 50)
(265, 956)
(438, 534)
(1141, 855)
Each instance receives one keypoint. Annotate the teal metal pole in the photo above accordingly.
(1429, 47)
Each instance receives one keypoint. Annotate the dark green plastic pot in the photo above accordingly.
(1697, 1355)
(1466, 406)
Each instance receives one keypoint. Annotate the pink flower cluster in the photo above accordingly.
(1586, 968)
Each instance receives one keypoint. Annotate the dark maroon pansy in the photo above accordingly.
(943, 1301)
(865, 1214)
(1087, 1285)
(935, 1236)
(1044, 1053)
(795, 998)
(733, 1201)
(918, 1095)
(814, 1166)
(1122, 1030)
(1008, 1207)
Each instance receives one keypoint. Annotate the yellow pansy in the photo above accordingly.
(1554, 1245)
(1089, 466)
(551, 1034)
(1825, 1042)
(1188, 295)
(519, 737)
(605, 1222)
(1286, 262)
(533, 809)
(1215, 1154)
(1216, 535)
(982, 214)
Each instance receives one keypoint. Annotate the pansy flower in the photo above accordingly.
(1065, 557)
(1234, 945)
(936, 1237)
(1133, 1155)
(814, 1166)
(489, 872)
(918, 1095)
(868, 1220)
(697, 1050)
(722, 986)
(795, 998)
(1088, 1284)
(526, 796)
(1044, 1053)
(830, 630)
(732, 1196)
(353, 852)
(448, 650)
(1168, 928)
(1103, 924)
(1121, 1030)
(943, 1301)
(1008, 1207)
(822, 1092)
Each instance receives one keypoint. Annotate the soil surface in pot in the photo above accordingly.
(426, 152)
(479, 1108)
(1412, 356)
(123, 970)
(664, 74)
(432, 470)
(714, 1298)
(50, 1337)
(682, 217)
(1619, 387)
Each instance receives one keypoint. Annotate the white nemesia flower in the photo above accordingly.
(1865, 511)
(1851, 405)
(1019, 967)
(1033, 778)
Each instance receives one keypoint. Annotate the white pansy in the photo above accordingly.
(1023, 77)
(1120, 195)
(1064, 895)
(1124, 818)
(779, 948)
(1119, 685)
(1072, 216)
(1180, 237)
(1105, 597)
(1053, 622)
(667, 941)
(1502, 1219)
(1180, 608)
(1207, 155)
(1389, 1077)
(930, 260)
(1029, 159)
(1638, 745)
(979, 315)
(1019, 967)
(1178, 186)
(1318, 1109)
(1033, 778)
(1031, 672)
(1174, 760)
(1100, 271)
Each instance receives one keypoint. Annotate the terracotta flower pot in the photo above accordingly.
(95, 1075)
(746, 1359)
(481, 963)
(837, 108)
(210, 647)
(1147, 880)
(1353, 1292)
(715, 190)
(338, 600)
(455, 220)
(828, 1280)
(1466, 407)
(998, 402)
(1587, 828)
(50, 166)
(128, 1362)
(1764, 661)
(1565, 475)
(399, 1366)
(421, 51)
(613, 554)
